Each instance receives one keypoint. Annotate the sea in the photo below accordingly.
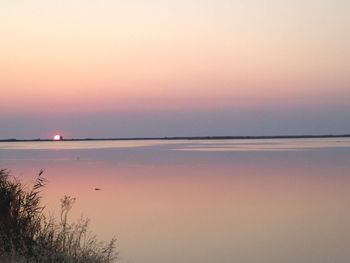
(201, 201)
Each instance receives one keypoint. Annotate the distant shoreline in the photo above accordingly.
(187, 138)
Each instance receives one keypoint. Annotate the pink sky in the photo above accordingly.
(106, 57)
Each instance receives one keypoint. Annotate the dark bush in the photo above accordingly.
(27, 235)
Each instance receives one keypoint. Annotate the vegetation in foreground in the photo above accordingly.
(27, 235)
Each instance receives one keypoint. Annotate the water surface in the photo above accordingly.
(255, 201)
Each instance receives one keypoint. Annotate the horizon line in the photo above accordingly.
(223, 137)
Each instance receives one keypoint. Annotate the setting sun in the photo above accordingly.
(57, 137)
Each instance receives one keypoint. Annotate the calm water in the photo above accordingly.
(224, 201)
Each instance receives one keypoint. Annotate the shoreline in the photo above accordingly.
(187, 138)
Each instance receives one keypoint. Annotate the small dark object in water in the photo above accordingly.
(97, 189)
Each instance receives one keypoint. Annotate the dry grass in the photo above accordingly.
(27, 235)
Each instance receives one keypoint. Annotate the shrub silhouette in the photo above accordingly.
(27, 235)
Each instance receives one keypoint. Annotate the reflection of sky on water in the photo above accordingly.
(186, 145)
(204, 206)
(66, 145)
(267, 145)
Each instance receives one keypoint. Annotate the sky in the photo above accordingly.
(136, 68)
